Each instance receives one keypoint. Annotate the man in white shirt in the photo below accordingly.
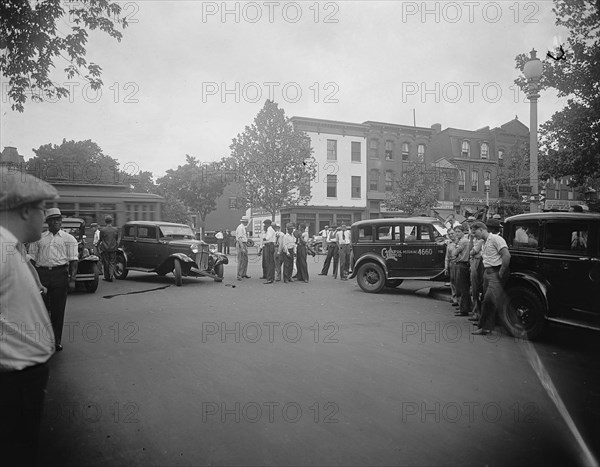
(279, 253)
(55, 257)
(289, 250)
(26, 336)
(343, 241)
(269, 251)
(219, 236)
(241, 240)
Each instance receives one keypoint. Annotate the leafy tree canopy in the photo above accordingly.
(414, 192)
(31, 41)
(513, 176)
(196, 186)
(570, 140)
(76, 162)
(273, 161)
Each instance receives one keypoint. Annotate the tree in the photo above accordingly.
(513, 177)
(273, 161)
(414, 192)
(75, 162)
(174, 210)
(570, 140)
(196, 186)
(30, 43)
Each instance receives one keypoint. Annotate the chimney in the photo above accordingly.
(436, 127)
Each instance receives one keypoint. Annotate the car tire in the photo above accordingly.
(523, 313)
(121, 268)
(370, 277)
(177, 272)
(393, 283)
(220, 272)
(92, 286)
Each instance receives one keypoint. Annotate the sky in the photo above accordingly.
(189, 76)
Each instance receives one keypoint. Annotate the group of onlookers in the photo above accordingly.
(223, 237)
(336, 242)
(477, 262)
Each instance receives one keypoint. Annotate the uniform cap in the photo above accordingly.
(18, 188)
(53, 212)
(244, 219)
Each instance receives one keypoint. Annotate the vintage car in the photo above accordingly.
(554, 272)
(164, 247)
(87, 267)
(387, 251)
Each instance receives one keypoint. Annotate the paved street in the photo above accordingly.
(241, 373)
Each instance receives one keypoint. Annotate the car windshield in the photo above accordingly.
(176, 231)
(73, 230)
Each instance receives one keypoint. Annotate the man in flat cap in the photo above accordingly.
(55, 257)
(26, 337)
(109, 239)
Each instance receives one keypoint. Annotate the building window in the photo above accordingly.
(462, 175)
(421, 153)
(474, 180)
(355, 151)
(389, 180)
(373, 205)
(332, 186)
(374, 180)
(374, 149)
(331, 150)
(389, 150)
(487, 175)
(405, 151)
(466, 149)
(485, 149)
(355, 193)
(233, 203)
(500, 154)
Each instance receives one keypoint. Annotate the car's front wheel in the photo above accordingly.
(91, 286)
(523, 313)
(121, 267)
(371, 278)
(220, 272)
(177, 272)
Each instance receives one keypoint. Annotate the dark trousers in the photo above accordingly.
(269, 258)
(220, 245)
(288, 266)
(21, 409)
(493, 298)
(278, 264)
(476, 284)
(332, 253)
(109, 262)
(462, 287)
(242, 259)
(57, 283)
(344, 255)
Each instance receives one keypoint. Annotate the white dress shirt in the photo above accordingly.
(54, 249)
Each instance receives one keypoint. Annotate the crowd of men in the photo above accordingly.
(477, 262)
(284, 251)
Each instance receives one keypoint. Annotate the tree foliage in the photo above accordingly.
(570, 140)
(31, 41)
(196, 185)
(75, 162)
(414, 192)
(273, 161)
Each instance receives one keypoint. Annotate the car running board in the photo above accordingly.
(574, 323)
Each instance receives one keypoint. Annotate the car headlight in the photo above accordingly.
(195, 248)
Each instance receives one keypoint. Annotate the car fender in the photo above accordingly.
(220, 258)
(534, 281)
(368, 258)
(121, 251)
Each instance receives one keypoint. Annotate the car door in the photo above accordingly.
(128, 243)
(388, 243)
(569, 262)
(147, 246)
(421, 254)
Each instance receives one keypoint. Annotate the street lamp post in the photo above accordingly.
(533, 72)
(487, 183)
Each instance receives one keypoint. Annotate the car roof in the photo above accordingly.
(170, 224)
(393, 220)
(571, 216)
(72, 219)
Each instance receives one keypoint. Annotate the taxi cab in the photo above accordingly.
(387, 251)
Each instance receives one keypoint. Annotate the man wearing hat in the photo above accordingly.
(110, 237)
(26, 337)
(269, 251)
(96, 242)
(55, 257)
(343, 241)
(241, 240)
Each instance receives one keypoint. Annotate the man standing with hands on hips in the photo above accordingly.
(55, 257)
(26, 340)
